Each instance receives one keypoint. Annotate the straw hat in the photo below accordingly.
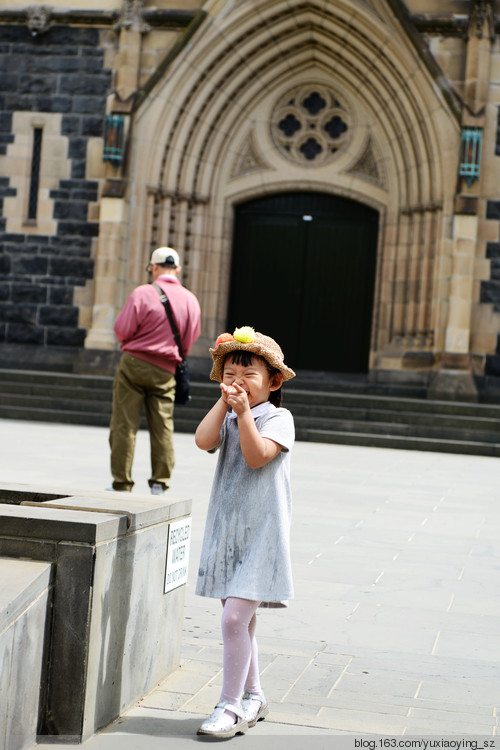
(247, 340)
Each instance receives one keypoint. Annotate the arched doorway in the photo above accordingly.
(303, 271)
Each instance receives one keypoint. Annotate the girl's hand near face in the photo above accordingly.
(226, 391)
(236, 397)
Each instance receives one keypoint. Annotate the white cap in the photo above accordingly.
(165, 256)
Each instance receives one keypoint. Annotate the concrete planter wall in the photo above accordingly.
(113, 632)
(24, 596)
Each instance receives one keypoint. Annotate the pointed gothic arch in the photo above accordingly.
(226, 84)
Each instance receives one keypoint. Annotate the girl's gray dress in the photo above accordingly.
(246, 546)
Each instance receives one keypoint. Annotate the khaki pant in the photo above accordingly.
(139, 383)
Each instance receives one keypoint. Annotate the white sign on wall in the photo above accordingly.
(179, 540)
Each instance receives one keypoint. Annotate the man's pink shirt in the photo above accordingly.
(143, 329)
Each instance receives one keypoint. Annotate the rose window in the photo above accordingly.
(309, 125)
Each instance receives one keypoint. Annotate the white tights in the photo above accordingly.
(241, 656)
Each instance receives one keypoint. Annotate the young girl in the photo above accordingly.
(245, 558)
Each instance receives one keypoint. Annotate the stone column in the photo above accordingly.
(108, 275)
(131, 27)
(454, 378)
(112, 276)
(461, 287)
(165, 210)
(181, 217)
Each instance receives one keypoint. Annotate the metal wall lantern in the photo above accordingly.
(114, 139)
(470, 154)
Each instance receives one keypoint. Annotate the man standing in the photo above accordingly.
(146, 371)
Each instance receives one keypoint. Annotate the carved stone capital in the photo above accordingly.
(132, 17)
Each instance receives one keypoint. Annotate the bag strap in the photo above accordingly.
(168, 309)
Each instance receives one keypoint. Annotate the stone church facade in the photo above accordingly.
(308, 159)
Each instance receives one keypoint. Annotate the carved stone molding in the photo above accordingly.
(156, 17)
(421, 208)
(248, 160)
(193, 199)
(367, 167)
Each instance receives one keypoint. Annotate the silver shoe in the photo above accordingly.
(254, 711)
(220, 724)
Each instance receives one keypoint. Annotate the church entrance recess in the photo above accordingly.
(303, 272)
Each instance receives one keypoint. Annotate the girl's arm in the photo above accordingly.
(257, 451)
(207, 435)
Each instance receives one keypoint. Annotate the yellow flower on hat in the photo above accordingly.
(245, 335)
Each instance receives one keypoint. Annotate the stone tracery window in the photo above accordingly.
(309, 125)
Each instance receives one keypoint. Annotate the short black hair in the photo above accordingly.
(244, 358)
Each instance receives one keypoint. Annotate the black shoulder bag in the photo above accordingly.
(182, 376)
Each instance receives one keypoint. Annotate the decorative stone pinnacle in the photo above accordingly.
(481, 19)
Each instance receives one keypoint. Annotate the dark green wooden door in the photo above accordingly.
(303, 272)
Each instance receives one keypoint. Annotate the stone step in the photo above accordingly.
(88, 394)
(54, 392)
(303, 433)
(381, 412)
(352, 383)
(55, 378)
(90, 418)
(98, 411)
(477, 448)
(380, 433)
(320, 415)
(390, 403)
(76, 387)
(67, 416)
(403, 428)
(88, 388)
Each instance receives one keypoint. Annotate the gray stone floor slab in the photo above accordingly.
(394, 628)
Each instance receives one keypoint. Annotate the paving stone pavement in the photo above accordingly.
(394, 629)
